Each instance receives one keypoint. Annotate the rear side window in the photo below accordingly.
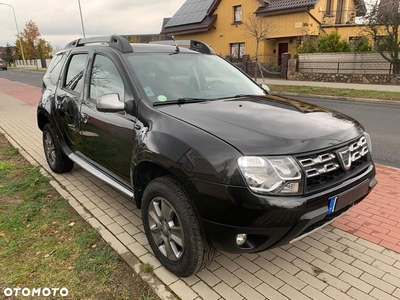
(74, 76)
(55, 67)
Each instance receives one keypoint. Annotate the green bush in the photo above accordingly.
(363, 45)
(270, 66)
(333, 43)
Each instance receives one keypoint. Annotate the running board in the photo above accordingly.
(94, 171)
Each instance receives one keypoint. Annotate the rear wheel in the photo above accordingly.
(173, 228)
(56, 159)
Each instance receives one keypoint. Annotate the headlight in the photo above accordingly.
(271, 175)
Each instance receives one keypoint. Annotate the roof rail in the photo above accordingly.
(191, 44)
(115, 41)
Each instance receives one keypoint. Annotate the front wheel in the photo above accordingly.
(173, 228)
(56, 159)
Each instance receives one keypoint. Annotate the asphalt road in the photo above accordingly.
(381, 119)
(33, 78)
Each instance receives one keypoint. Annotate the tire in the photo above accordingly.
(57, 160)
(173, 228)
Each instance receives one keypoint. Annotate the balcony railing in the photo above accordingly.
(339, 17)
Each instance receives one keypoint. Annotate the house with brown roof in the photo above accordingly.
(222, 24)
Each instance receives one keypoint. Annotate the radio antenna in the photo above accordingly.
(177, 50)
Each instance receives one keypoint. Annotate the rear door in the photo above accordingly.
(69, 99)
(108, 137)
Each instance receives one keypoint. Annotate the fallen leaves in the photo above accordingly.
(49, 254)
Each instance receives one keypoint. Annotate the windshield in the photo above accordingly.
(167, 77)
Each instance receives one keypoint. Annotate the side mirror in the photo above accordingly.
(265, 88)
(111, 103)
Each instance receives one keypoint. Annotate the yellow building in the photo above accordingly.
(224, 24)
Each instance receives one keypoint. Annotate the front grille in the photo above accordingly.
(323, 169)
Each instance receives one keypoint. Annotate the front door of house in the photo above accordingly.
(283, 48)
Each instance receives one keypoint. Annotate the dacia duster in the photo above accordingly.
(213, 159)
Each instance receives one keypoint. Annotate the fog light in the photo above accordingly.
(241, 239)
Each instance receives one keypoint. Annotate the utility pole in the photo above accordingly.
(16, 25)
(80, 12)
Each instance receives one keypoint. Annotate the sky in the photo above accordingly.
(59, 21)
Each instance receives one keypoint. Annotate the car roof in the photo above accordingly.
(122, 45)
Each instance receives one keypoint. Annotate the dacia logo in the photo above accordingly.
(353, 153)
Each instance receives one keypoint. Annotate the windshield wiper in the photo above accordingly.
(181, 101)
(247, 95)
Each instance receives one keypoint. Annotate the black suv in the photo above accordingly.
(211, 158)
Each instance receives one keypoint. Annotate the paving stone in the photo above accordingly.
(227, 292)
(290, 279)
(208, 277)
(248, 292)
(311, 280)
(354, 281)
(227, 277)
(182, 290)
(205, 292)
(247, 277)
(227, 263)
(270, 279)
(314, 293)
(379, 283)
(334, 281)
(270, 292)
(336, 294)
(357, 294)
(292, 293)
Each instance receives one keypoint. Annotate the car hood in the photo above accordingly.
(268, 125)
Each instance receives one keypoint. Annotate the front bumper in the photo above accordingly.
(275, 226)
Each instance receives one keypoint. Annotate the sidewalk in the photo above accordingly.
(357, 257)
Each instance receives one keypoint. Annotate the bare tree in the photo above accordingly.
(260, 29)
(382, 25)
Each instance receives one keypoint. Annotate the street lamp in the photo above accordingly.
(16, 25)
(80, 11)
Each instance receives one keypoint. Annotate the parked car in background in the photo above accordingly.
(3, 65)
(213, 160)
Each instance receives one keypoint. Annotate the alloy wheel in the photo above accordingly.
(166, 229)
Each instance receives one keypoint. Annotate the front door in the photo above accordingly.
(108, 137)
(283, 48)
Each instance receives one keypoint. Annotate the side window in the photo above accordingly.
(105, 79)
(55, 67)
(74, 79)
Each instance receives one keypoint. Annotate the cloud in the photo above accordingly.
(59, 21)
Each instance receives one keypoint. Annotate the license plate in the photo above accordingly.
(332, 205)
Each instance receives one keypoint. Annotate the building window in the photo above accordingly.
(237, 12)
(329, 7)
(238, 50)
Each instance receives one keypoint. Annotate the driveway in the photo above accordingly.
(357, 257)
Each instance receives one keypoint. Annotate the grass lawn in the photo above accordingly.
(44, 243)
(336, 92)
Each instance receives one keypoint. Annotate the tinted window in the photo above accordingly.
(166, 77)
(55, 67)
(105, 79)
(74, 80)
